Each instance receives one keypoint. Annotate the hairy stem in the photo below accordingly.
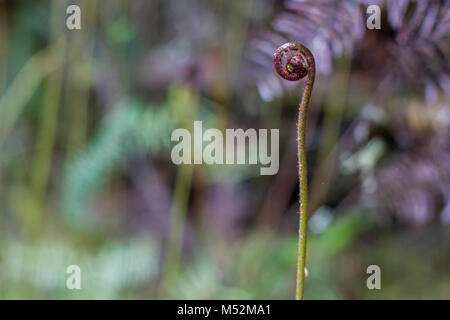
(293, 61)
(302, 174)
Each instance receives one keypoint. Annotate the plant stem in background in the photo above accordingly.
(79, 79)
(293, 61)
(183, 102)
(25, 84)
(3, 46)
(46, 134)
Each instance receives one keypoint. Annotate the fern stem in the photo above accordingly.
(302, 173)
(293, 61)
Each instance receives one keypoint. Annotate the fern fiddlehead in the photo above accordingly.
(293, 61)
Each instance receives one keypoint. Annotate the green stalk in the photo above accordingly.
(294, 61)
(48, 123)
(183, 102)
(302, 173)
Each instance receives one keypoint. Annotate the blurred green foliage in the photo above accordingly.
(86, 177)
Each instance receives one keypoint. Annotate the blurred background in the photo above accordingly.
(86, 176)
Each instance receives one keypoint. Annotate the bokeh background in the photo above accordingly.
(85, 170)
